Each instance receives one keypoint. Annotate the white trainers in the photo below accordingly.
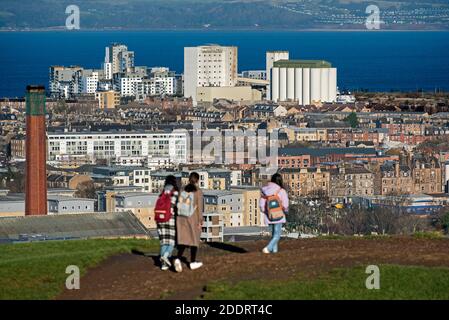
(195, 265)
(165, 260)
(164, 267)
(178, 266)
(265, 250)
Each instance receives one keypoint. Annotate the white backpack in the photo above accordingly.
(186, 204)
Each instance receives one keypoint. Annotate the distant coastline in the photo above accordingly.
(374, 61)
(63, 29)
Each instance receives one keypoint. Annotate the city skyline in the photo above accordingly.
(292, 164)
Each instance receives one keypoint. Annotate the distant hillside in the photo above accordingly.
(224, 14)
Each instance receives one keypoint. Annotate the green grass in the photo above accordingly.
(432, 235)
(396, 282)
(37, 270)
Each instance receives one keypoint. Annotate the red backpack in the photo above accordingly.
(162, 210)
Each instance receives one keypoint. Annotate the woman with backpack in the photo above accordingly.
(189, 222)
(274, 204)
(165, 216)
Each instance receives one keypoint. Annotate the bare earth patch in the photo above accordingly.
(133, 276)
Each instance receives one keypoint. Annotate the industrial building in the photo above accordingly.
(271, 58)
(305, 81)
(70, 205)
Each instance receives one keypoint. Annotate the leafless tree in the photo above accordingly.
(354, 221)
(86, 189)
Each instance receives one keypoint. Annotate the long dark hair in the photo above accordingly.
(277, 178)
(194, 177)
(171, 180)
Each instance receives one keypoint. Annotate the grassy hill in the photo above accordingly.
(37, 270)
(322, 268)
(397, 282)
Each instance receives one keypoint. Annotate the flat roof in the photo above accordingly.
(136, 194)
(208, 192)
(72, 226)
(245, 187)
(112, 132)
(291, 151)
(302, 64)
(65, 198)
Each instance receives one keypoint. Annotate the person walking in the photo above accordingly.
(165, 216)
(189, 222)
(274, 204)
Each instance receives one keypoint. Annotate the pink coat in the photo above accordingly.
(270, 189)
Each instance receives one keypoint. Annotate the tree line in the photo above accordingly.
(309, 216)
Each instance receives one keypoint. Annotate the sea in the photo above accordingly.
(366, 60)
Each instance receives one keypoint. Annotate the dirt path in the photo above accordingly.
(133, 276)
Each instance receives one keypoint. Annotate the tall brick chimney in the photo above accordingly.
(36, 152)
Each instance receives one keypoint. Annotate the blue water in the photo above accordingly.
(379, 61)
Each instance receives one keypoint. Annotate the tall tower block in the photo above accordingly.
(36, 152)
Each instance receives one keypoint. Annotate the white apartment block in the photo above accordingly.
(155, 87)
(114, 145)
(127, 84)
(89, 83)
(162, 86)
(69, 81)
(209, 66)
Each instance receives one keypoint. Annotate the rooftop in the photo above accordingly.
(324, 151)
(302, 64)
(136, 194)
(72, 226)
(207, 192)
(64, 198)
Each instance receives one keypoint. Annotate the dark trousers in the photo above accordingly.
(193, 252)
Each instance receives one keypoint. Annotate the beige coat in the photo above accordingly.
(188, 229)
